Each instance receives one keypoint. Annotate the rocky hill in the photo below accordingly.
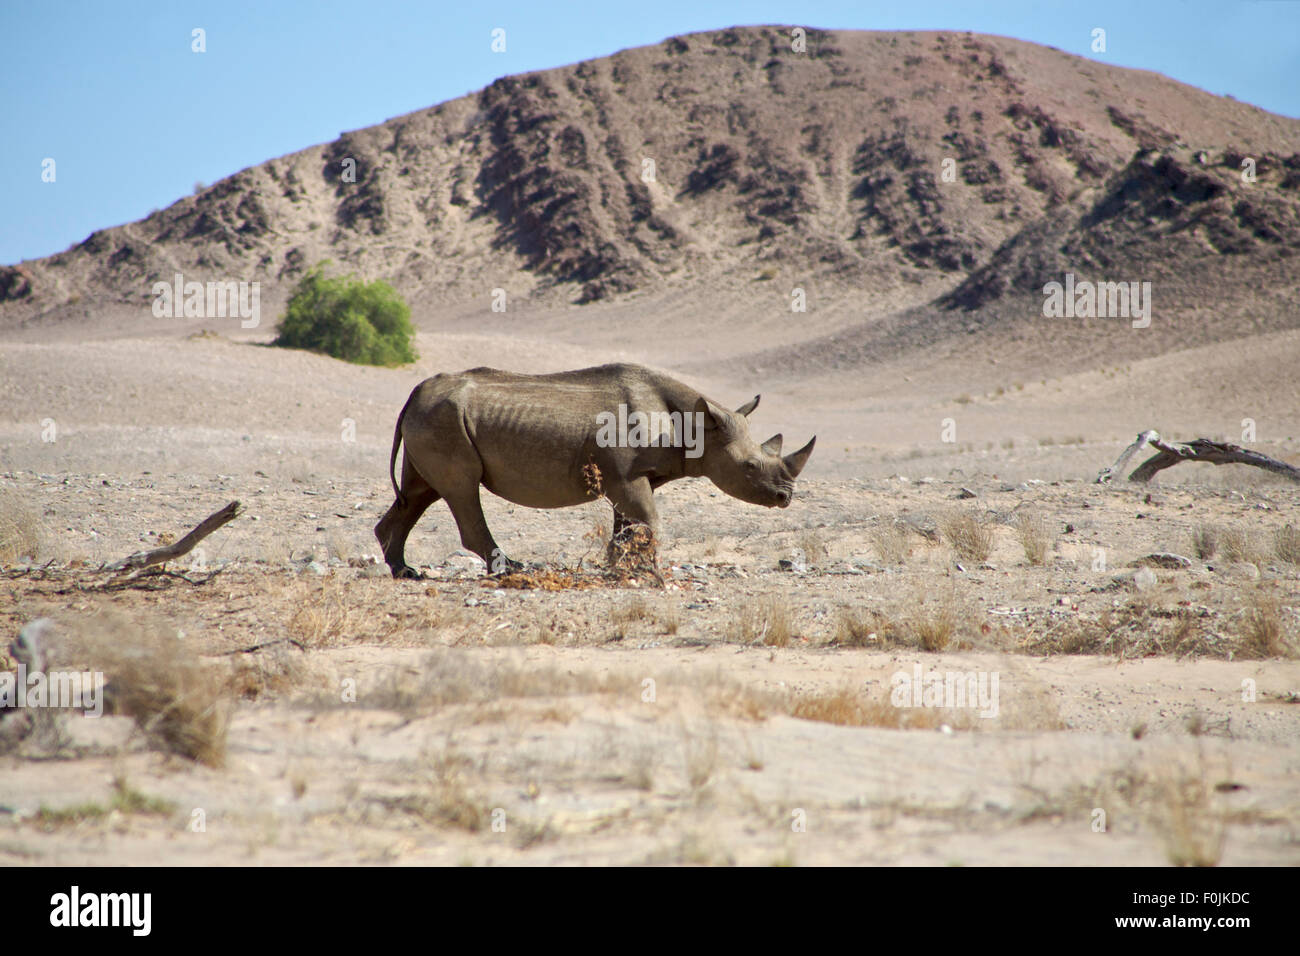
(937, 178)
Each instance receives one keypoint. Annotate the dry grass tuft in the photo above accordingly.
(1263, 632)
(324, 617)
(1192, 827)
(631, 610)
(766, 621)
(743, 701)
(451, 677)
(847, 708)
(20, 528)
(970, 537)
(444, 799)
(1286, 544)
(813, 546)
(1035, 538)
(934, 627)
(271, 672)
(857, 627)
(1183, 810)
(126, 800)
(643, 761)
(1205, 541)
(891, 541)
(1239, 547)
(180, 702)
(700, 757)
(931, 627)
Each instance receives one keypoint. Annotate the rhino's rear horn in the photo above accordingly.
(773, 445)
(748, 406)
(795, 461)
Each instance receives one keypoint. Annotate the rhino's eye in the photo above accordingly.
(751, 465)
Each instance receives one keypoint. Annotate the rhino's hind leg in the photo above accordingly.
(397, 523)
(475, 536)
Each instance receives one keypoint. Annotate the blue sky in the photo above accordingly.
(133, 119)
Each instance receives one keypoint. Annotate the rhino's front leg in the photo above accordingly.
(634, 505)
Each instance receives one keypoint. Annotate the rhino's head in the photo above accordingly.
(740, 466)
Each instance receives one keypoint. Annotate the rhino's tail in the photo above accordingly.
(392, 459)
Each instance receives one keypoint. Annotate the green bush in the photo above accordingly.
(362, 322)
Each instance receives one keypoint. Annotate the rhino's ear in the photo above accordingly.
(748, 406)
(773, 445)
(795, 461)
(713, 416)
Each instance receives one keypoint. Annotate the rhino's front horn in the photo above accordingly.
(795, 461)
(773, 445)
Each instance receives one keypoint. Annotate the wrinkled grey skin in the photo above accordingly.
(527, 439)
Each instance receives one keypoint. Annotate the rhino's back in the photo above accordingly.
(581, 393)
(534, 433)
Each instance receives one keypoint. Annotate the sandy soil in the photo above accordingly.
(457, 720)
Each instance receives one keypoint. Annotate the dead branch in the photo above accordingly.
(1143, 439)
(145, 559)
(152, 579)
(1216, 453)
(254, 648)
(1202, 449)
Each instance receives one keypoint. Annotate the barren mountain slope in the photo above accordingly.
(772, 170)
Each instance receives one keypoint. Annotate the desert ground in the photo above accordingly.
(738, 711)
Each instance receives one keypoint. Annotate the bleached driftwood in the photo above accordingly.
(1202, 449)
(145, 559)
(1143, 439)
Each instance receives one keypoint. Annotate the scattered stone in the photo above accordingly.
(1162, 559)
(965, 493)
(1143, 579)
(924, 525)
(462, 560)
(1242, 570)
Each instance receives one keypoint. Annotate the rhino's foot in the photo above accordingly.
(407, 573)
(503, 566)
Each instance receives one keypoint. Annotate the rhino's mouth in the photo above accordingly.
(783, 498)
